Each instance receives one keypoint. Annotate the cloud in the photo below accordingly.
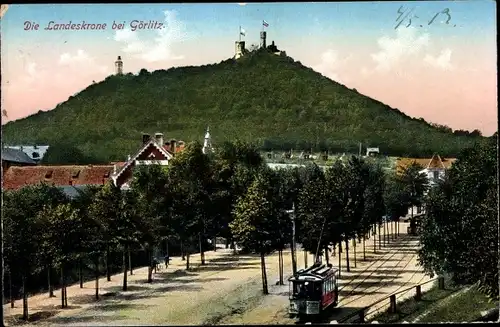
(393, 51)
(160, 48)
(82, 62)
(242, 3)
(330, 64)
(442, 61)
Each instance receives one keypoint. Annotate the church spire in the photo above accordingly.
(207, 144)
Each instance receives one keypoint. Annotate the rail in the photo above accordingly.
(360, 315)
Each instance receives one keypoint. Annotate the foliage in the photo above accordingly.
(271, 100)
(459, 233)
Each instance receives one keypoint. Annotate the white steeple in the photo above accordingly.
(207, 144)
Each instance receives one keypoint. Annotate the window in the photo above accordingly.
(75, 174)
(35, 155)
(435, 175)
(48, 174)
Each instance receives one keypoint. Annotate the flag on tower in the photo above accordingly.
(265, 24)
(242, 31)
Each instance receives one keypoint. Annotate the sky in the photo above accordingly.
(443, 71)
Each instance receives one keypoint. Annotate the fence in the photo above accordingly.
(361, 315)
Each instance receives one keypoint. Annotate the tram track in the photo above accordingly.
(378, 267)
(404, 258)
(367, 268)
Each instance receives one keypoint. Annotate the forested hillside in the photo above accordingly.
(272, 100)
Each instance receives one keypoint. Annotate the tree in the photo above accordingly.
(373, 202)
(104, 210)
(62, 237)
(23, 230)
(459, 233)
(190, 176)
(414, 184)
(255, 220)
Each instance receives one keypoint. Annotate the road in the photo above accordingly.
(225, 291)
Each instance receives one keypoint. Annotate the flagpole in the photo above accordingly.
(239, 35)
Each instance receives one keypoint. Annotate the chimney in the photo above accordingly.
(145, 138)
(172, 146)
(70, 183)
(159, 138)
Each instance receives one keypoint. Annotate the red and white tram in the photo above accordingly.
(313, 290)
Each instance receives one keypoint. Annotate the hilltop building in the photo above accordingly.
(119, 66)
(240, 49)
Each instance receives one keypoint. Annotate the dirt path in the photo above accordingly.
(390, 270)
(225, 291)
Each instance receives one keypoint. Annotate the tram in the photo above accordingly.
(313, 290)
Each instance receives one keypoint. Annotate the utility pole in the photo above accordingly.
(294, 249)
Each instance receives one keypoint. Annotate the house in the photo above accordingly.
(372, 152)
(35, 152)
(153, 151)
(15, 157)
(434, 168)
(71, 175)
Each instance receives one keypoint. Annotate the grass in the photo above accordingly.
(410, 309)
(464, 307)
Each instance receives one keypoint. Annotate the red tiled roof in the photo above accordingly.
(17, 177)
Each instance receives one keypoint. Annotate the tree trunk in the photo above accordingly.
(182, 251)
(96, 271)
(10, 291)
(347, 254)
(340, 257)
(305, 258)
(264, 274)
(227, 243)
(62, 287)
(354, 242)
(25, 300)
(49, 281)
(233, 244)
(385, 233)
(327, 257)
(150, 264)
(108, 270)
(130, 262)
(364, 249)
(214, 241)
(80, 271)
(334, 250)
(124, 288)
(187, 259)
(280, 263)
(375, 242)
(202, 252)
(379, 237)
(65, 295)
(392, 233)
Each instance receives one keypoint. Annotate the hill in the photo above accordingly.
(262, 97)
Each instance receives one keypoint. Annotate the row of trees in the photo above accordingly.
(231, 193)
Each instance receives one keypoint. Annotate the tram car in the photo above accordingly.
(313, 290)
